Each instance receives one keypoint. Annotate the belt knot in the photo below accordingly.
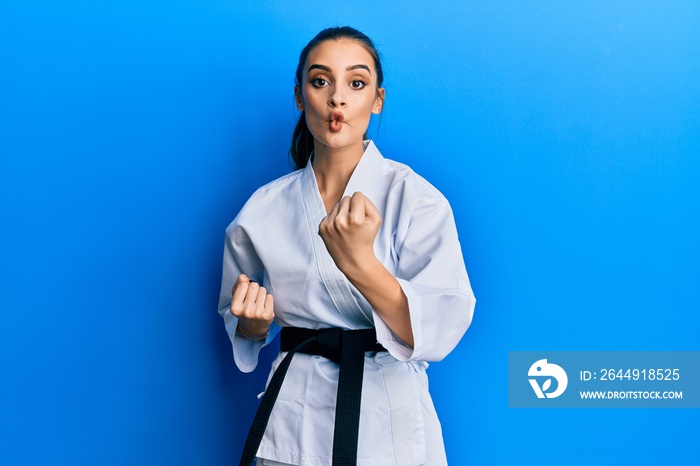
(329, 343)
(345, 347)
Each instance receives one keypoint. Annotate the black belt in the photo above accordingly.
(345, 347)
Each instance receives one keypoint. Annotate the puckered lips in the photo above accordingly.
(336, 121)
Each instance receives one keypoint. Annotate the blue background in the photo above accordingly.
(565, 134)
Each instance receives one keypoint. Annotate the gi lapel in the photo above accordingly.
(338, 287)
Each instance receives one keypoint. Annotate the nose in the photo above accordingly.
(336, 97)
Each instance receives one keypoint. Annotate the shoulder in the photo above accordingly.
(265, 199)
(275, 187)
(410, 185)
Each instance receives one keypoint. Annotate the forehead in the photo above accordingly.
(339, 54)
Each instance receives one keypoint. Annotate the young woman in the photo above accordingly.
(356, 258)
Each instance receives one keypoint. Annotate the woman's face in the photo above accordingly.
(339, 92)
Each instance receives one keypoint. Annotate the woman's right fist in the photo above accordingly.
(253, 307)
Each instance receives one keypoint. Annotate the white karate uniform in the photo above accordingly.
(274, 240)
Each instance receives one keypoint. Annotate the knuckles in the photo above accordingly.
(237, 309)
(253, 302)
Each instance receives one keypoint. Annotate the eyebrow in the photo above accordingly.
(349, 68)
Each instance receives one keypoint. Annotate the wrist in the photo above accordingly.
(362, 270)
(252, 335)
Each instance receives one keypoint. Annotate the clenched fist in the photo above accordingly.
(349, 230)
(253, 306)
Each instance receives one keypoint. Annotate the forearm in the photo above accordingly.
(349, 231)
(384, 293)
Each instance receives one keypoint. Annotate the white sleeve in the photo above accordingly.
(240, 257)
(432, 274)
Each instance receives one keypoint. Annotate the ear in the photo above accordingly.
(379, 101)
(298, 99)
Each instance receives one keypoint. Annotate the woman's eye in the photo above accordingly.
(319, 82)
(357, 84)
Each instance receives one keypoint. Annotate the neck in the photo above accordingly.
(333, 169)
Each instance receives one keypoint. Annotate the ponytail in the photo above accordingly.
(302, 143)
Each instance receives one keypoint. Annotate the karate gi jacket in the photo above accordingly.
(274, 240)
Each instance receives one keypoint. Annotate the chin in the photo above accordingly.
(339, 140)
